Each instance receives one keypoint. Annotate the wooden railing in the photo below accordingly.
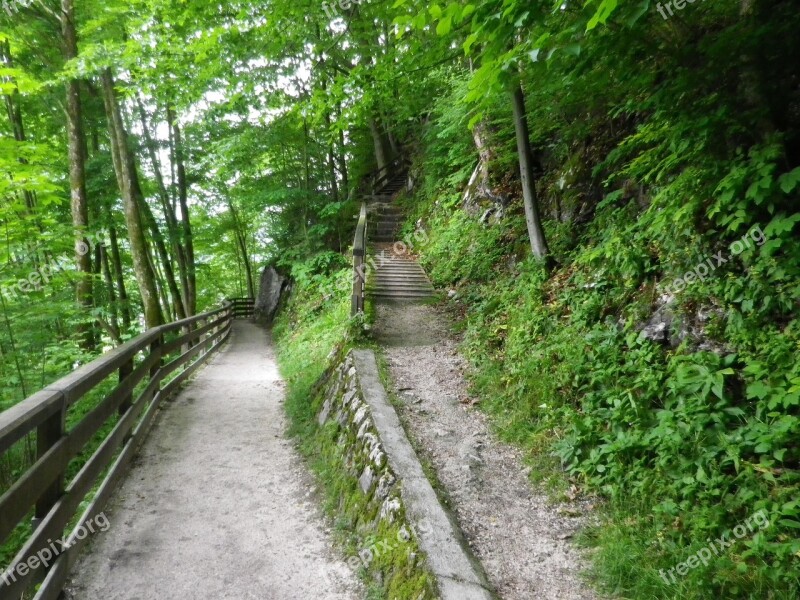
(135, 372)
(382, 176)
(359, 263)
(242, 307)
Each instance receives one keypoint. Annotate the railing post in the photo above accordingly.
(155, 348)
(47, 435)
(125, 370)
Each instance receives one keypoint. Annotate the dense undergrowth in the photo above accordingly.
(686, 437)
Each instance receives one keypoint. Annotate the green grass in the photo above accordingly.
(678, 445)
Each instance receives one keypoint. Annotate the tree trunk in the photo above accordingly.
(532, 215)
(122, 293)
(77, 178)
(242, 242)
(166, 260)
(112, 296)
(167, 208)
(191, 289)
(127, 181)
(343, 164)
(381, 158)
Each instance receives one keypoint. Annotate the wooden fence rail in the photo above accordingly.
(359, 263)
(242, 307)
(138, 368)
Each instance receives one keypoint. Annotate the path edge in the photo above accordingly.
(458, 573)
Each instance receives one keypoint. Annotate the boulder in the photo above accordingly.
(270, 292)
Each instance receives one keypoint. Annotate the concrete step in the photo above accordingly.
(413, 277)
(400, 292)
(395, 297)
(394, 267)
(396, 263)
(393, 271)
(400, 281)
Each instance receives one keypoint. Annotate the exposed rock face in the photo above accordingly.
(270, 291)
(669, 328)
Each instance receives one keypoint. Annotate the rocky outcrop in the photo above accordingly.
(271, 290)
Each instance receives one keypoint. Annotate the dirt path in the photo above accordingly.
(218, 504)
(519, 537)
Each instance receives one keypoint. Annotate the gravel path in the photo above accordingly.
(218, 504)
(521, 539)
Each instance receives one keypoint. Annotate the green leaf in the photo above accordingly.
(789, 523)
(602, 14)
(444, 26)
(788, 181)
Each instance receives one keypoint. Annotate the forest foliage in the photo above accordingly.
(156, 154)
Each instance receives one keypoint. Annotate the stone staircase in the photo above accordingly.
(398, 276)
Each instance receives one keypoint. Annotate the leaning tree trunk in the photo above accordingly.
(165, 258)
(133, 219)
(532, 215)
(77, 177)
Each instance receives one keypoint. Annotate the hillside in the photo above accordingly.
(597, 201)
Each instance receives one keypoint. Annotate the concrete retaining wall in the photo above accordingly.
(378, 453)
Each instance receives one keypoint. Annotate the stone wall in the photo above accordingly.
(409, 542)
(363, 455)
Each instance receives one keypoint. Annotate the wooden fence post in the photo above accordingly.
(47, 435)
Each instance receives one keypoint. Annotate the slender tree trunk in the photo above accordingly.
(119, 276)
(166, 260)
(77, 177)
(15, 119)
(532, 216)
(133, 219)
(343, 164)
(242, 242)
(152, 224)
(109, 283)
(166, 207)
(166, 308)
(188, 243)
